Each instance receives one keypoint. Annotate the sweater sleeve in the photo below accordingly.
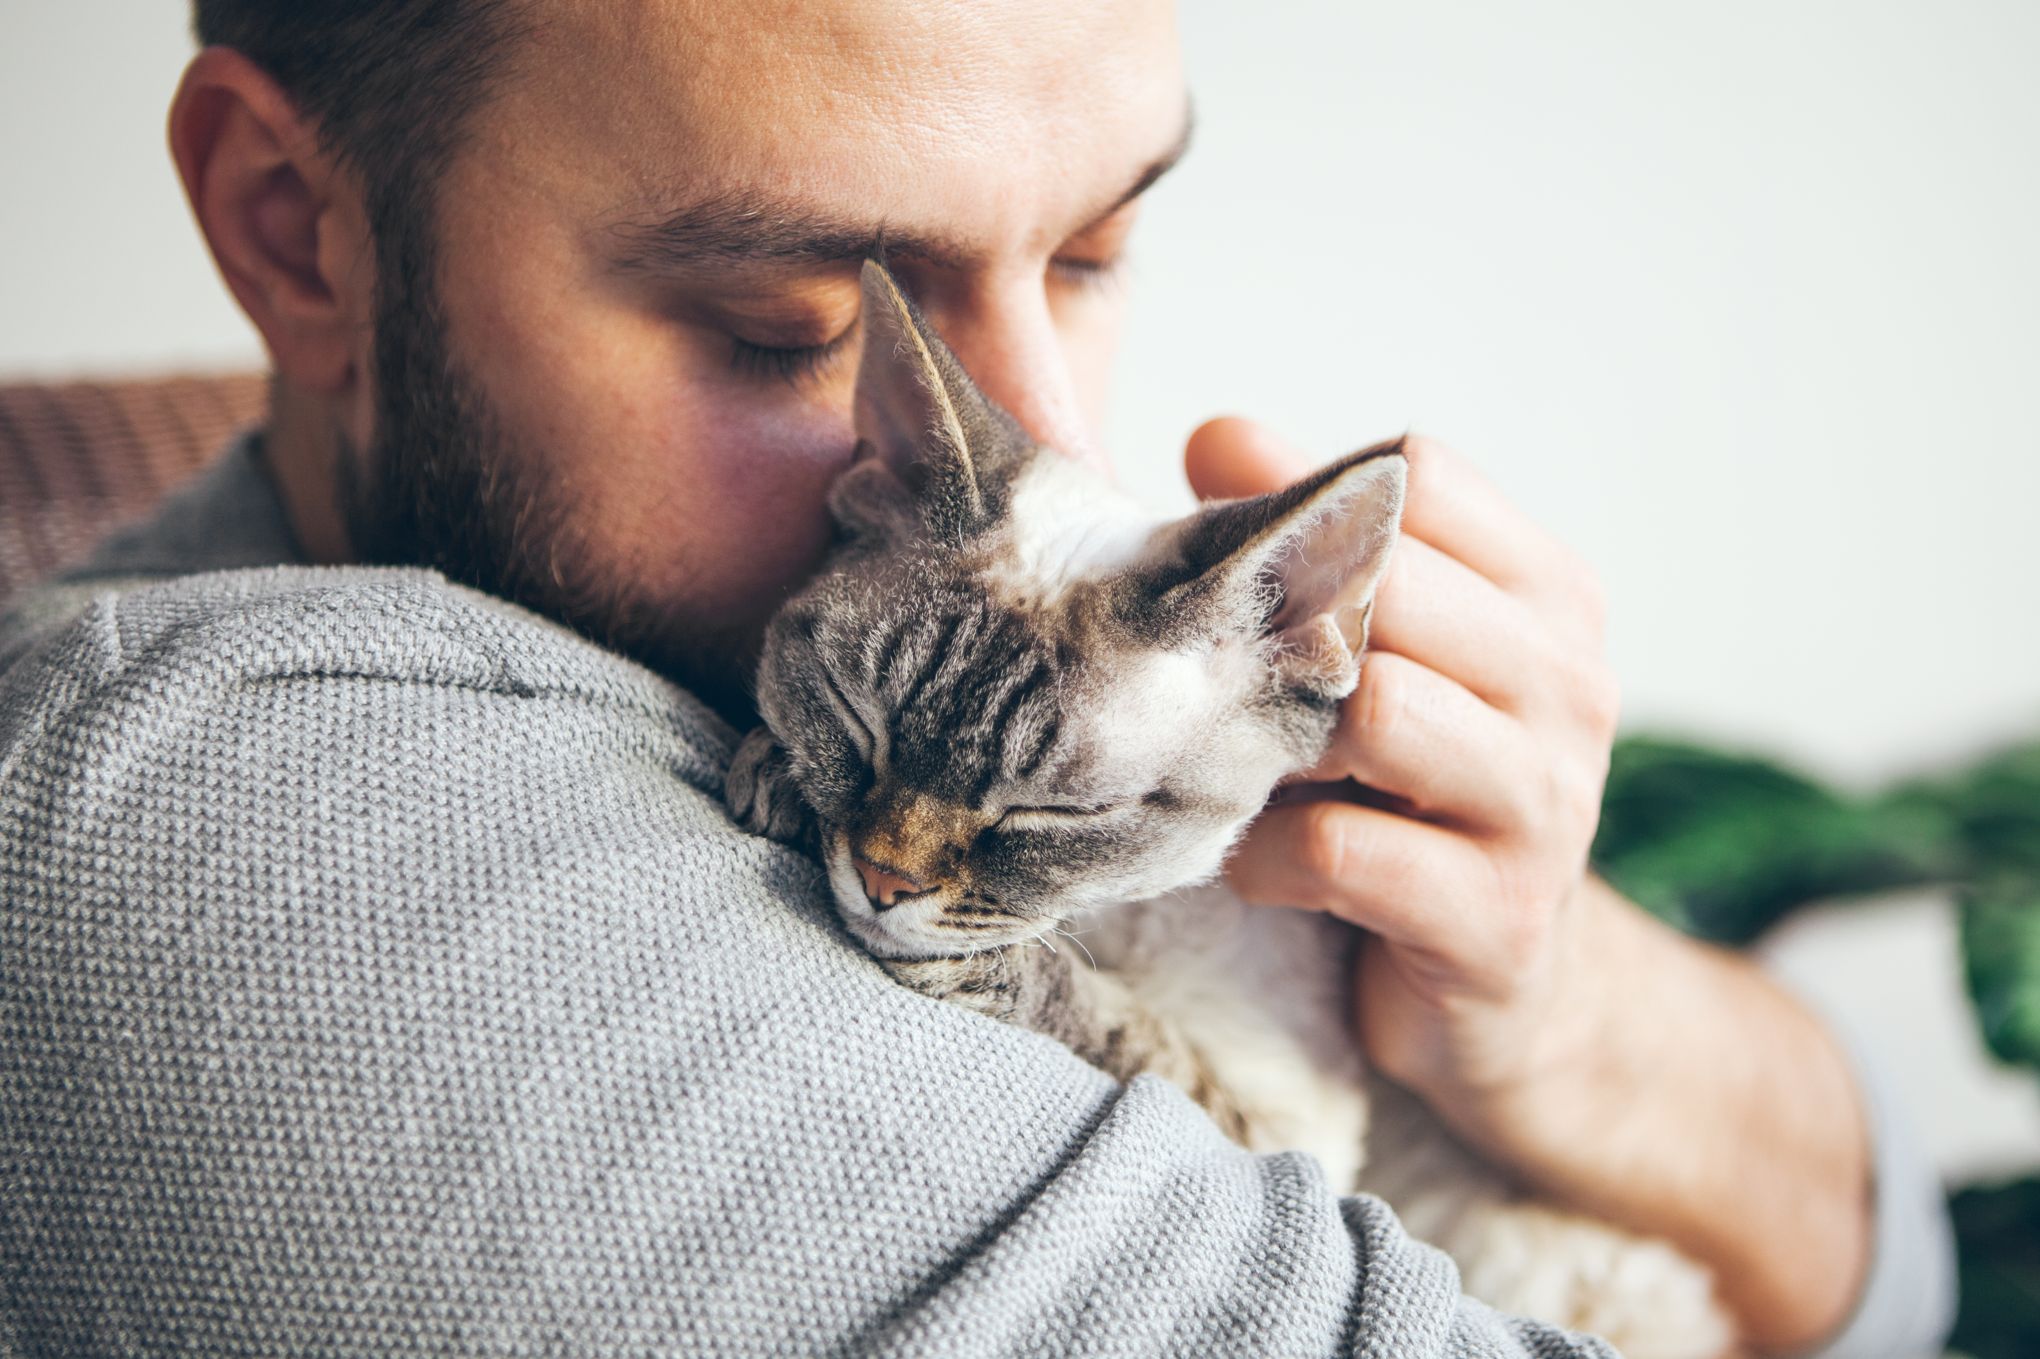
(379, 975)
(1907, 1304)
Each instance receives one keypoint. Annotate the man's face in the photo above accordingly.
(647, 287)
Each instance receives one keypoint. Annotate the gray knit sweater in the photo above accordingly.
(380, 975)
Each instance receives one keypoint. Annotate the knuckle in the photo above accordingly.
(1599, 698)
(1608, 703)
(1324, 849)
(1520, 936)
(1381, 698)
(1526, 808)
(1422, 456)
(1522, 941)
(1568, 783)
(1576, 798)
(1590, 596)
(1584, 687)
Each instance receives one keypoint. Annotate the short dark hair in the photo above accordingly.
(390, 86)
(388, 83)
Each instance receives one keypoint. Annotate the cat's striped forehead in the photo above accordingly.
(971, 692)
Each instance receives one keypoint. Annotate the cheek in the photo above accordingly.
(1046, 864)
(686, 487)
(727, 501)
(1089, 327)
(831, 778)
(1014, 871)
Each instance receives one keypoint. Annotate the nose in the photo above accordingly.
(885, 887)
(1006, 337)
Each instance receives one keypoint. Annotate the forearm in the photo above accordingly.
(1653, 1081)
(1679, 1091)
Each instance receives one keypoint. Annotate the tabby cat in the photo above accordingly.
(1011, 705)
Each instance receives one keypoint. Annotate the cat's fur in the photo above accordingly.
(1053, 714)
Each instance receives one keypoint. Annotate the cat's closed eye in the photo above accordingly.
(860, 733)
(1052, 817)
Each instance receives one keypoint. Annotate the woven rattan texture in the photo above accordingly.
(80, 458)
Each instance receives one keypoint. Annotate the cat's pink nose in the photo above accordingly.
(885, 887)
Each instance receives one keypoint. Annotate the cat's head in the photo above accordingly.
(1009, 696)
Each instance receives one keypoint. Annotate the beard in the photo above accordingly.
(448, 487)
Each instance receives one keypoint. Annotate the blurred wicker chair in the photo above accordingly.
(80, 458)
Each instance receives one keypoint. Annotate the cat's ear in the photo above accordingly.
(1299, 565)
(934, 451)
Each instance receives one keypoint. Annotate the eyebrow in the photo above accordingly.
(741, 229)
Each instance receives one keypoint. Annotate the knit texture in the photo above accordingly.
(380, 975)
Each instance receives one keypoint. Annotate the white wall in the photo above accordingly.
(100, 266)
(1741, 298)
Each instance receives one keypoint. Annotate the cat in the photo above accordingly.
(1011, 705)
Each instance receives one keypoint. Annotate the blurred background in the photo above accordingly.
(1742, 299)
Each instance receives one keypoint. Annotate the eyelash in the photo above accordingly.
(798, 364)
(1041, 818)
(793, 365)
(854, 725)
(1090, 273)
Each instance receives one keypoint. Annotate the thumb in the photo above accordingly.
(1231, 457)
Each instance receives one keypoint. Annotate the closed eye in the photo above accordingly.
(860, 734)
(1050, 818)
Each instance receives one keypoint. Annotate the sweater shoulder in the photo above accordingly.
(132, 651)
(391, 623)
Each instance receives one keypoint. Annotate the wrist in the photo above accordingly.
(1672, 1088)
(1498, 1065)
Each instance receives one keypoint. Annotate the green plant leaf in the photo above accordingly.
(1993, 807)
(2001, 954)
(1722, 845)
(1997, 1234)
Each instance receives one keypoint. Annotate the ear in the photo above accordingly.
(284, 222)
(934, 450)
(1299, 566)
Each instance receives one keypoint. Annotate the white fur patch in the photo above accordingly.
(1261, 995)
(1068, 524)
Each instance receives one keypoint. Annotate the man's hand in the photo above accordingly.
(1607, 1060)
(1486, 713)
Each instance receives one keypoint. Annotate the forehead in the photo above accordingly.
(992, 119)
(969, 681)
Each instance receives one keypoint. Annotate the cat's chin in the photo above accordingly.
(906, 932)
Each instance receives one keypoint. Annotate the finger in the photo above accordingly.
(1230, 457)
(1442, 614)
(1380, 871)
(1456, 509)
(1450, 506)
(1411, 732)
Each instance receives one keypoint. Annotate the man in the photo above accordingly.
(382, 974)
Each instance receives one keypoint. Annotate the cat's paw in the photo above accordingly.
(1639, 1294)
(761, 795)
(986, 982)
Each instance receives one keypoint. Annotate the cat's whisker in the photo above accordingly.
(1071, 936)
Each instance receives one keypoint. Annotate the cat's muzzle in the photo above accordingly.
(915, 923)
